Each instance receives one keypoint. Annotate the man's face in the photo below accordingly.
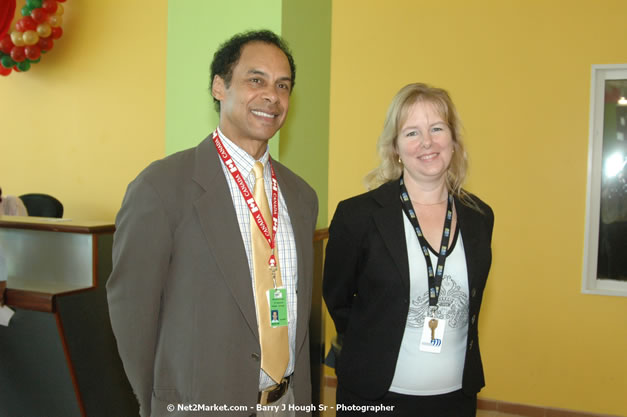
(254, 106)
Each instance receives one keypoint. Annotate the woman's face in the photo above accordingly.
(425, 144)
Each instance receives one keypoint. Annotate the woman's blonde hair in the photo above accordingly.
(391, 168)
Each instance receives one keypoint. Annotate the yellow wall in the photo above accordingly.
(519, 72)
(86, 119)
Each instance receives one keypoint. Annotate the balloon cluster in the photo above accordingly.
(34, 34)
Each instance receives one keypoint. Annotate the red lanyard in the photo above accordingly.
(248, 196)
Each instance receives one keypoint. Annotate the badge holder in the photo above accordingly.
(432, 338)
(277, 298)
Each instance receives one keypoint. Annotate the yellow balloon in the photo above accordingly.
(55, 20)
(30, 37)
(16, 38)
(44, 30)
(60, 10)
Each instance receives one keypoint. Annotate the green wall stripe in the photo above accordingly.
(304, 145)
(195, 29)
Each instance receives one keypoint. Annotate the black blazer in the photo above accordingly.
(366, 286)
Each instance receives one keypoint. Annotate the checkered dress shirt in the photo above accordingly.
(284, 237)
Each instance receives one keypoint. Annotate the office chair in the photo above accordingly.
(42, 205)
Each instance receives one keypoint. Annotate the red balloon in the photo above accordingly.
(61, 1)
(32, 52)
(46, 44)
(50, 6)
(57, 32)
(27, 23)
(39, 15)
(4, 71)
(18, 54)
(7, 12)
(6, 44)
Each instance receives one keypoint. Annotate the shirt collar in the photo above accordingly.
(242, 159)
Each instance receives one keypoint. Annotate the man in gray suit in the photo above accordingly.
(181, 294)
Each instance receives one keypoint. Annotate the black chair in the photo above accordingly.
(42, 205)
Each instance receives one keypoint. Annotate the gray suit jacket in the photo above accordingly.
(180, 293)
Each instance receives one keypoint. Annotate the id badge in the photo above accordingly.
(429, 343)
(277, 298)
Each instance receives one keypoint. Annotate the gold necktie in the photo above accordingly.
(273, 341)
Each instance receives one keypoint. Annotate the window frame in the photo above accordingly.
(591, 284)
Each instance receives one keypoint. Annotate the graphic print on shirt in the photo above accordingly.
(452, 306)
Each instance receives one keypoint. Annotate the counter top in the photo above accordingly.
(56, 225)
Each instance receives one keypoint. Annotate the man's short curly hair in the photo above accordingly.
(228, 54)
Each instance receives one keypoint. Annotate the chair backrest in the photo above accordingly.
(42, 205)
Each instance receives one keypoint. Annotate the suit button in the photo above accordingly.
(472, 320)
(470, 345)
(255, 356)
(473, 292)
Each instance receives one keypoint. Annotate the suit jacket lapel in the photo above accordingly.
(389, 222)
(296, 209)
(219, 224)
(471, 233)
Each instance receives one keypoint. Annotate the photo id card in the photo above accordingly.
(432, 335)
(277, 297)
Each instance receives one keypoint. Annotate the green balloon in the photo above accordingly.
(26, 11)
(23, 66)
(34, 61)
(33, 4)
(7, 61)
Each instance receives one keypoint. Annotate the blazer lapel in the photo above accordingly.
(221, 229)
(296, 209)
(470, 234)
(389, 222)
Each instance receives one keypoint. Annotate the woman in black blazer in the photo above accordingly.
(408, 313)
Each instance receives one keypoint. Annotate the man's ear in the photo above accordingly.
(218, 88)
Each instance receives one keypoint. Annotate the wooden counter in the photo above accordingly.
(58, 356)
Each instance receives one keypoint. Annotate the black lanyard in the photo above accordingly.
(435, 280)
